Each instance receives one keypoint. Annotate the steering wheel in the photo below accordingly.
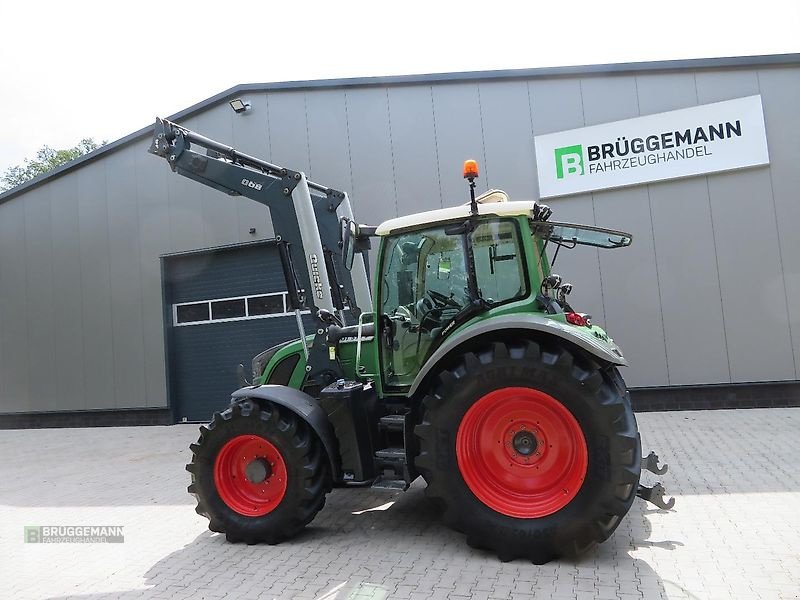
(442, 300)
(403, 312)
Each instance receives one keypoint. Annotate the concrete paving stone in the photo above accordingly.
(403, 591)
(484, 585)
(734, 532)
(523, 587)
(607, 590)
(501, 591)
(462, 589)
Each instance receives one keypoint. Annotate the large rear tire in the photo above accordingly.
(259, 473)
(532, 450)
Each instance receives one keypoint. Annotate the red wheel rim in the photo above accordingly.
(250, 475)
(521, 452)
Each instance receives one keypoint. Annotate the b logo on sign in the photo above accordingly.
(569, 161)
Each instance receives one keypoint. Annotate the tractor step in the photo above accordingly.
(391, 463)
(397, 485)
(393, 422)
(392, 455)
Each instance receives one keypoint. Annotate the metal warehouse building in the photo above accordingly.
(114, 272)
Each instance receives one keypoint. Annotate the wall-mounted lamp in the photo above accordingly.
(239, 106)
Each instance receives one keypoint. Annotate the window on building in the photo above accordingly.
(191, 313)
(271, 304)
(227, 309)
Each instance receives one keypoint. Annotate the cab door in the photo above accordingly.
(423, 284)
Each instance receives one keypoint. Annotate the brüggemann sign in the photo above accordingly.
(679, 143)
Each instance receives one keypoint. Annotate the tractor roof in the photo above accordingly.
(493, 202)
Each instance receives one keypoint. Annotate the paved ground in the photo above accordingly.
(735, 531)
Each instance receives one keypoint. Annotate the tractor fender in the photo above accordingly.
(606, 352)
(305, 407)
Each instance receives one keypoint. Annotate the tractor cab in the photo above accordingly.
(440, 269)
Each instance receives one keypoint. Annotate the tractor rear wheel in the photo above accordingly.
(533, 450)
(259, 473)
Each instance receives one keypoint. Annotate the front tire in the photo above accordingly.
(532, 450)
(259, 473)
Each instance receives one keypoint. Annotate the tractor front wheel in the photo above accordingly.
(532, 450)
(259, 473)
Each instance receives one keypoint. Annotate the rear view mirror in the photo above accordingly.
(349, 234)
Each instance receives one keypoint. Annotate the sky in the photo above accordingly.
(78, 69)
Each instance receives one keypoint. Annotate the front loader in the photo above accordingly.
(465, 365)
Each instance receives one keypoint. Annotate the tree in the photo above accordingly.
(46, 160)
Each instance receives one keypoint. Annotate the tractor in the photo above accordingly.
(464, 364)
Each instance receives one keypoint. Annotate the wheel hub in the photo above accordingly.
(257, 470)
(524, 443)
(521, 452)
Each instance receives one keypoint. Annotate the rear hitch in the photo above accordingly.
(655, 495)
(650, 463)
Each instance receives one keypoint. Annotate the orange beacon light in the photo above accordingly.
(470, 169)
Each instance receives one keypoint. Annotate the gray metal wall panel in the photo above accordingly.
(40, 294)
(220, 217)
(124, 254)
(328, 144)
(152, 199)
(185, 217)
(251, 136)
(13, 305)
(630, 284)
(288, 131)
(69, 369)
(457, 115)
(374, 197)
(96, 284)
(507, 137)
(416, 165)
(186, 222)
(685, 252)
(557, 106)
(780, 91)
(5, 280)
(748, 253)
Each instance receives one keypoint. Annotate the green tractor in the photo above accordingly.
(469, 368)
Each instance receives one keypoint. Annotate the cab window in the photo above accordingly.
(424, 286)
(499, 261)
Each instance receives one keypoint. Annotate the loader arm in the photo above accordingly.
(306, 220)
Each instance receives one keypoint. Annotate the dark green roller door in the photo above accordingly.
(224, 306)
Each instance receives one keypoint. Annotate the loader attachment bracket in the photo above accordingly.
(655, 495)
(650, 463)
